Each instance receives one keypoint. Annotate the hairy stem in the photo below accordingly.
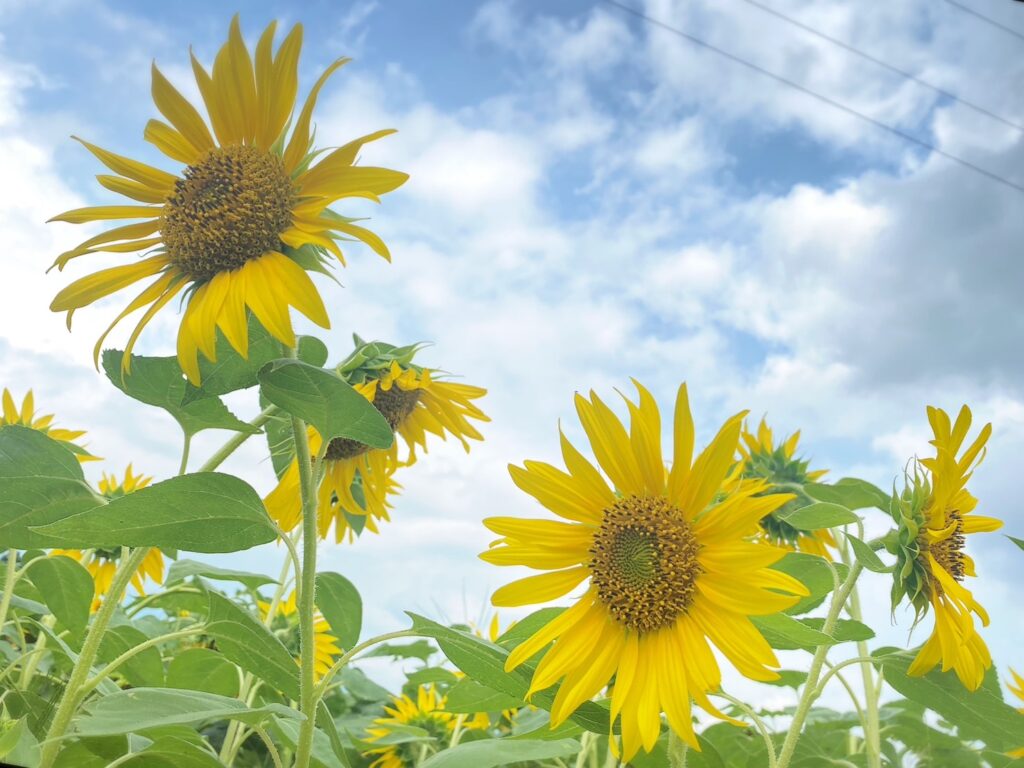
(240, 437)
(871, 720)
(108, 670)
(677, 749)
(10, 578)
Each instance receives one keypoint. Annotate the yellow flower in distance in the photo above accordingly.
(26, 417)
(102, 563)
(778, 463)
(670, 563)
(240, 226)
(935, 517)
(325, 645)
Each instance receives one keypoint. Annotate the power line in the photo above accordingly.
(885, 65)
(986, 19)
(819, 96)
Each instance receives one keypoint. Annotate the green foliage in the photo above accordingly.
(813, 572)
(340, 603)
(181, 570)
(822, 514)
(850, 492)
(67, 589)
(492, 752)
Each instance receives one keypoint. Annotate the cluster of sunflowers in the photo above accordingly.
(674, 564)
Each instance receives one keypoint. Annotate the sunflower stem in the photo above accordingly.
(185, 448)
(108, 670)
(810, 691)
(10, 579)
(73, 693)
(677, 749)
(872, 737)
(232, 445)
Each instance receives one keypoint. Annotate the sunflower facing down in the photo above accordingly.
(934, 516)
(26, 417)
(670, 564)
(325, 645)
(762, 458)
(102, 563)
(239, 227)
(359, 479)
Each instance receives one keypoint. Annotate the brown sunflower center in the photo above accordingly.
(395, 405)
(228, 208)
(949, 553)
(644, 562)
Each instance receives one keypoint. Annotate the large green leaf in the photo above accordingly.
(490, 753)
(786, 633)
(202, 512)
(339, 602)
(815, 573)
(469, 696)
(145, 668)
(159, 381)
(173, 752)
(41, 482)
(203, 669)
(866, 556)
(323, 399)
(249, 644)
(851, 492)
(138, 709)
(66, 588)
(822, 514)
(184, 569)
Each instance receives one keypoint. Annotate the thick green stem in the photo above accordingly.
(72, 695)
(108, 670)
(810, 687)
(240, 437)
(872, 725)
(185, 448)
(10, 578)
(677, 749)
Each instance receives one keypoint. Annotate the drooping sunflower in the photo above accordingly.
(102, 563)
(426, 712)
(239, 228)
(934, 517)
(359, 479)
(26, 417)
(670, 564)
(325, 645)
(778, 463)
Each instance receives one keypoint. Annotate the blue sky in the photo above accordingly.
(591, 199)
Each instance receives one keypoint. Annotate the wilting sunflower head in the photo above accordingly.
(670, 561)
(285, 625)
(26, 416)
(246, 218)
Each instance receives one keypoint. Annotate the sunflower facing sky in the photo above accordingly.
(670, 562)
(325, 645)
(243, 222)
(763, 459)
(102, 563)
(359, 479)
(26, 417)
(935, 516)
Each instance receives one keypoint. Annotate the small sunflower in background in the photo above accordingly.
(239, 228)
(764, 459)
(326, 649)
(426, 712)
(670, 563)
(26, 417)
(359, 479)
(934, 515)
(102, 563)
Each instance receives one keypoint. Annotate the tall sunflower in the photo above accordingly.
(26, 417)
(239, 227)
(102, 563)
(763, 458)
(325, 645)
(359, 479)
(934, 517)
(670, 563)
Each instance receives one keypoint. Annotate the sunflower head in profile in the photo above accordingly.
(102, 563)
(240, 226)
(670, 562)
(285, 624)
(764, 459)
(934, 515)
(26, 416)
(358, 479)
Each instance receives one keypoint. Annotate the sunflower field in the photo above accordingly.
(658, 559)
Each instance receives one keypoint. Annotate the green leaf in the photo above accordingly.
(138, 709)
(820, 515)
(429, 676)
(815, 573)
(322, 399)
(322, 754)
(145, 668)
(185, 569)
(850, 492)
(173, 752)
(202, 669)
(418, 649)
(1015, 540)
(202, 512)
(10, 735)
(786, 633)
(845, 630)
(159, 381)
(789, 678)
(249, 644)
(527, 627)
(67, 588)
(981, 714)
(494, 752)
(339, 602)
(361, 687)
(468, 696)
(866, 556)
(41, 482)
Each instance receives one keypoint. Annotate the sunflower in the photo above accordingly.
(102, 563)
(27, 417)
(670, 564)
(426, 712)
(359, 479)
(239, 227)
(934, 519)
(325, 645)
(763, 459)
